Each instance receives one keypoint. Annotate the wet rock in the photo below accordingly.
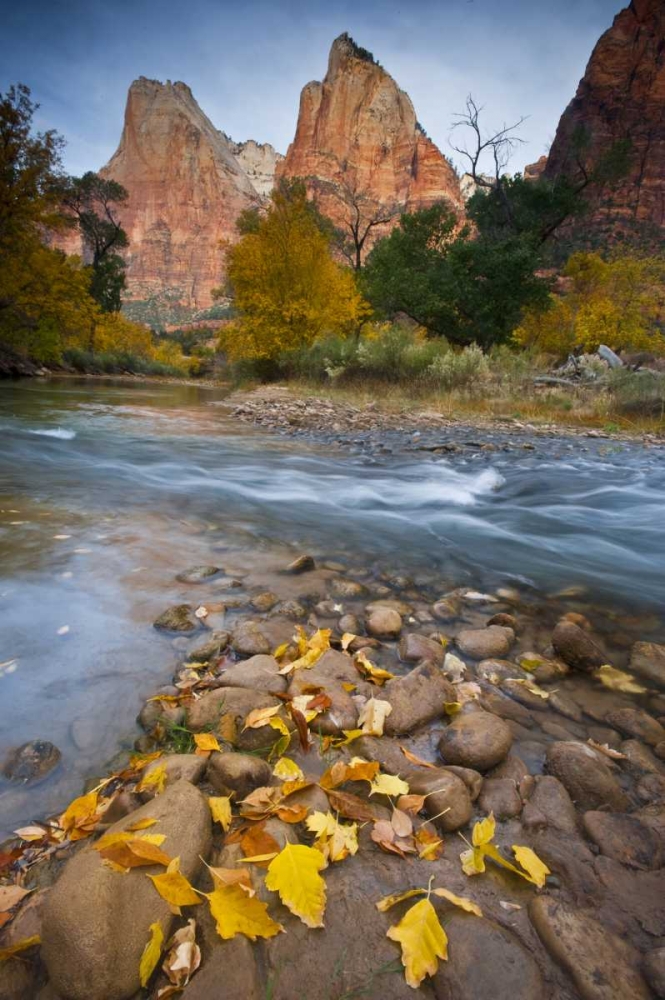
(641, 758)
(521, 693)
(348, 588)
(198, 574)
(507, 621)
(122, 805)
(264, 602)
(576, 647)
(565, 706)
(301, 564)
(495, 670)
(210, 649)
(326, 609)
(551, 801)
(237, 773)
(164, 713)
(31, 762)
(585, 776)
(179, 618)
(248, 640)
(602, 965)
(225, 709)
(623, 838)
(472, 779)
(261, 673)
(638, 723)
(542, 670)
(483, 643)
(500, 796)
(476, 739)
(414, 647)
(486, 960)
(350, 623)
(445, 791)
(512, 767)
(651, 788)
(96, 920)
(290, 609)
(446, 610)
(384, 623)
(654, 970)
(330, 673)
(417, 698)
(20, 979)
(401, 607)
(647, 660)
(178, 767)
(492, 700)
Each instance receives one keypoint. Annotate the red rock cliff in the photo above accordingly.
(622, 96)
(358, 130)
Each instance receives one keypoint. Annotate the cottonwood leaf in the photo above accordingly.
(430, 847)
(373, 716)
(126, 836)
(235, 912)
(401, 823)
(618, 680)
(356, 770)
(151, 953)
(260, 717)
(418, 761)
(220, 807)
(388, 784)
(398, 897)
(531, 863)
(134, 854)
(174, 887)
(81, 816)
(287, 770)
(142, 824)
(257, 841)
(183, 958)
(377, 675)
(411, 803)
(294, 874)
(31, 833)
(206, 742)
(20, 946)
(461, 901)
(423, 941)
(156, 778)
(351, 806)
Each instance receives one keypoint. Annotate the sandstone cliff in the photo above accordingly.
(357, 135)
(186, 187)
(259, 160)
(622, 97)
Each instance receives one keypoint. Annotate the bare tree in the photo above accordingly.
(363, 214)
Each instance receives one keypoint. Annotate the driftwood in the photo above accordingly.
(551, 380)
(607, 354)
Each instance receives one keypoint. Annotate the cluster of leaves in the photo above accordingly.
(618, 301)
(287, 288)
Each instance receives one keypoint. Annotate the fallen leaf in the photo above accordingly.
(183, 958)
(235, 912)
(291, 814)
(461, 901)
(220, 807)
(473, 860)
(281, 650)
(310, 650)
(618, 680)
(356, 770)
(347, 639)
(81, 816)
(423, 941)
(531, 863)
(401, 823)
(142, 824)
(373, 716)
(430, 847)
(261, 803)
(31, 833)
(607, 750)
(398, 897)
(454, 667)
(259, 717)
(532, 687)
(206, 742)
(348, 686)
(134, 854)
(174, 887)
(335, 840)
(288, 770)
(388, 784)
(377, 675)
(413, 759)
(125, 836)
(156, 778)
(257, 841)
(151, 953)
(411, 803)
(10, 895)
(351, 806)
(294, 874)
(452, 708)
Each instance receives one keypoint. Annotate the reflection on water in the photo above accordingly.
(107, 490)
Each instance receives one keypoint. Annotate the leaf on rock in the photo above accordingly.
(356, 770)
(183, 958)
(31, 833)
(388, 784)
(174, 887)
(461, 901)
(156, 778)
(413, 759)
(347, 639)
(206, 742)
(618, 680)
(377, 675)
(151, 953)
(430, 847)
(411, 803)
(335, 840)
(351, 806)
(398, 897)
(294, 874)
(220, 807)
(81, 816)
(401, 823)
(134, 854)
(257, 841)
(235, 912)
(260, 717)
(536, 869)
(373, 716)
(142, 824)
(287, 770)
(473, 860)
(607, 750)
(423, 941)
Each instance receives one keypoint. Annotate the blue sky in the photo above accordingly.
(247, 61)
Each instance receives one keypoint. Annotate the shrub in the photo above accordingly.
(640, 394)
(466, 369)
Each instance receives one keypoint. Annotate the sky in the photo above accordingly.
(246, 61)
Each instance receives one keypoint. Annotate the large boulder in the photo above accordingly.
(417, 698)
(224, 710)
(261, 673)
(237, 773)
(576, 647)
(330, 673)
(96, 920)
(477, 740)
(586, 777)
(414, 647)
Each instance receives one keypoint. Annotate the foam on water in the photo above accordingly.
(61, 433)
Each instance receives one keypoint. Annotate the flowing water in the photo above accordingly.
(108, 489)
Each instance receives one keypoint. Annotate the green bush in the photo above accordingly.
(111, 363)
(466, 369)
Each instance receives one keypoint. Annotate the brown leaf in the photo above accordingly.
(228, 728)
(301, 726)
(256, 841)
(135, 854)
(10, 895)
(430, 847)
(401, 823)
(411, 803)
(418, 761)
(292, 814)
(351, 806)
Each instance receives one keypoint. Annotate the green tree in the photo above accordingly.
(93, 202)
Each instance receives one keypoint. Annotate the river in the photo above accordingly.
(108, 489)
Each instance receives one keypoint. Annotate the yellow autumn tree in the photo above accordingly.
(286, 286)
(619, 302)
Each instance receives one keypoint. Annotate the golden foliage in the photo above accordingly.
(287, 288)
(618, 302)
(294, 874)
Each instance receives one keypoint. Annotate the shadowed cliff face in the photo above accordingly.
(357, 134)
(622, 97)
(186, 189)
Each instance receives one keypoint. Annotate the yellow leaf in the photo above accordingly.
(373, 716)
(156, 778)
(372, 673)
(16, 949)
(347, 639)
(321, 823)
(220, 807)
(452, 708)
(80, 817)
(294, 874)
(174, 887)
(287, 770)
(151, 953)
(134, 853)
(260, 717)
(532, 687)
(356, 770)
(618, 680)
(388, 784)
(461, 901)
(142, 824)
(423, 941)
(398, 897)
(335, 840)
(206, 741)
(473, 861)
(127, 836)
(483, 831)
(430, 847)
(235, 912)
(531, 863)
(349, 687)
(279, 652)
(258, 859)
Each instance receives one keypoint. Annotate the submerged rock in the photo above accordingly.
(179, 618)
(587, 778)
(477, 740)
(31, 762)
(484, 643)
(647, 660)
(248, 640)
(414, 647)
(197, 574)
(384, 623)
(302, 564)
(576, 647)
(624, 838)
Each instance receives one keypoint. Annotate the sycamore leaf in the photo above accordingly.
(231, 876)
(206, 742)
(423, 941)
(531, 863)
(388, 784)
(287, 770)
(151, 953)
(156, 778)
(618, 680)
(373, 716)
(220, 807)
(174, 887)
(398, 897)
(413, 759)
(235, 912)
(294, 874)
(461, 901)
(260, 717)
